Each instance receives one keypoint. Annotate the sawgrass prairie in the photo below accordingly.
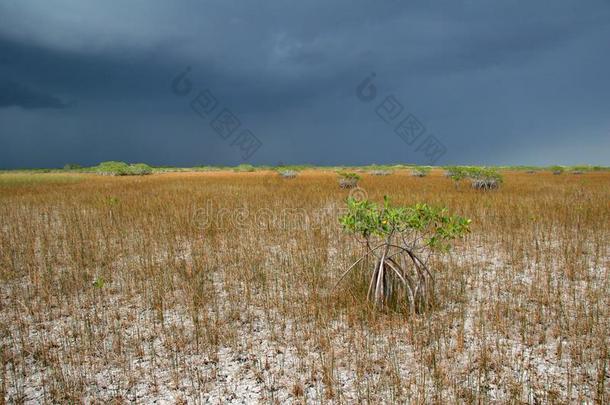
(218, 287)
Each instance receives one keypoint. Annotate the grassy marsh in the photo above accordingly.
(216, 286)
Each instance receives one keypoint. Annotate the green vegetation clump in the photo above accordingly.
(348, 179)
(72, 166)
(349, 175)
(481, 178)
(456, 173)
(400, 240)
(113, 168)
(484, 173)
(140, 169)
(557, 170)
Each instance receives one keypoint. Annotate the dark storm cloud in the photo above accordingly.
(17, 94)
(498, 82)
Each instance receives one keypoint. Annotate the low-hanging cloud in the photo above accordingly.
(20, 95)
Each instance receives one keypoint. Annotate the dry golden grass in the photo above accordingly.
(123, 289)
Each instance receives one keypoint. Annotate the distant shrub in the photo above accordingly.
(456, 173)
(348, 179)
(420, 171)
(113, 168)
(484, 178)
(140, 169)
(72, 166)
(484, 173)
(557, 170)
(481, 178)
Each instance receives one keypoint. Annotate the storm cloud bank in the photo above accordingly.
(493, 82)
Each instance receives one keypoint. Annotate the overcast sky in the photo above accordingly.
(281, 81)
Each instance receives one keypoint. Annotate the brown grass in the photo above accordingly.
(241, 307)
